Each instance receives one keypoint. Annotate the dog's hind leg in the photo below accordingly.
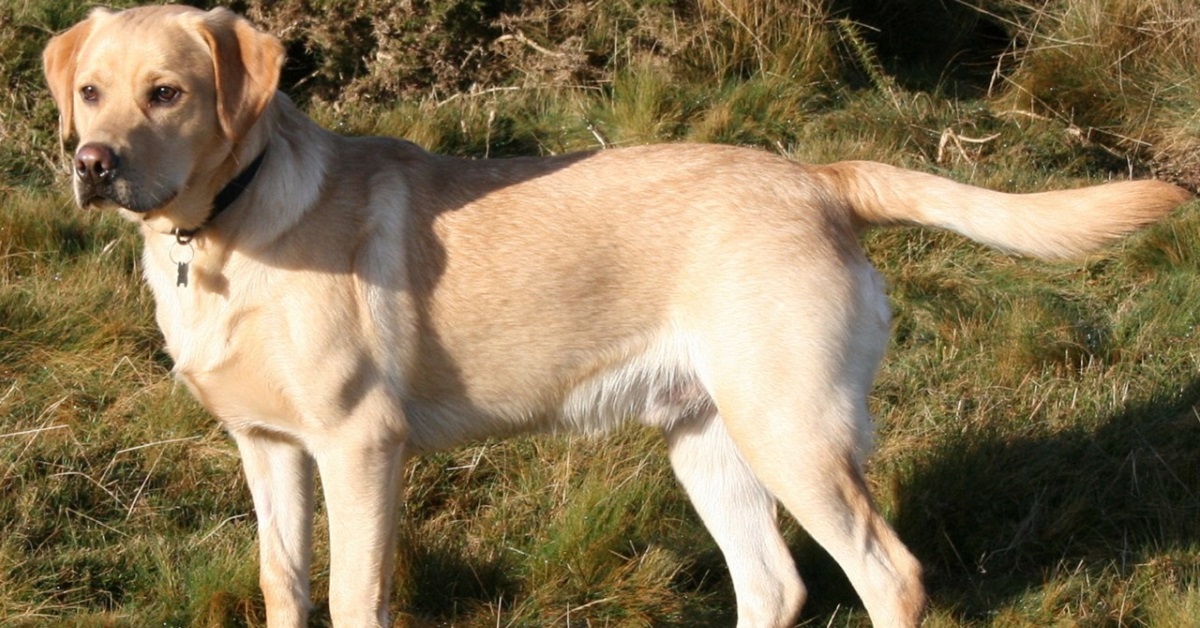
(789, 361)
(280, 475)
(819, 481)
(740, 515)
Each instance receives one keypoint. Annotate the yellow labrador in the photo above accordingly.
(350, 302)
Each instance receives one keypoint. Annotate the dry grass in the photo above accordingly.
(1121, 72)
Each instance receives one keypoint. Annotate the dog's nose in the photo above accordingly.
(95, 163)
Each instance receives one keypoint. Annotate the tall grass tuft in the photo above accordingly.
(1120, 71)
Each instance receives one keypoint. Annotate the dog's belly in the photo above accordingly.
(660, 385)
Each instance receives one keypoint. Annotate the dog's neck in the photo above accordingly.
(226, 197)
(289, 183)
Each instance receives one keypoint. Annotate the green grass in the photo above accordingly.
(1038, 423)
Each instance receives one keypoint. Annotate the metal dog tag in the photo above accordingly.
(182, 278)
(182, 254)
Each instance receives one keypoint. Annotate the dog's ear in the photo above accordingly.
(58, 61)
(246, 63)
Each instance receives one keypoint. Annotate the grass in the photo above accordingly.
(1038, 423)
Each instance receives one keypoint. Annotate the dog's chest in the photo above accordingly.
(220, 350)
(222, 369)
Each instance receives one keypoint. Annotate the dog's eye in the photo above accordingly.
(163, 95)
(89, 93)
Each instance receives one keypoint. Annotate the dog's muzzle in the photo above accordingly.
(95, 170)
(99, 180)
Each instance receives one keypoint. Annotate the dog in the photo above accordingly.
(344, 303)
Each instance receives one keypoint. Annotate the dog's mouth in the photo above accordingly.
(120, 195)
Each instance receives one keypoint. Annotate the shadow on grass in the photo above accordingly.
(992, 519)
(997, 518)
(449, 588)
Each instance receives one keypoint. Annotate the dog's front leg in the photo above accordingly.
(362, 482)
(280, 475)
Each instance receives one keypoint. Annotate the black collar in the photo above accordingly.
(225, 198)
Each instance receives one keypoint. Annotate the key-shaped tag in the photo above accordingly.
(182, 254)
(182, 278)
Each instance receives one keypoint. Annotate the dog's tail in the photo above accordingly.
(1048, 225)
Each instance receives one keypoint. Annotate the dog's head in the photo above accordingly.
(160, 98)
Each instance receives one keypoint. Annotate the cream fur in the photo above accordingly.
(365, 300)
